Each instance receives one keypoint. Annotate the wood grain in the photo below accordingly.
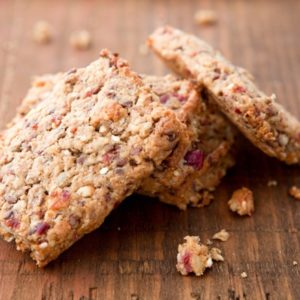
(133, 255)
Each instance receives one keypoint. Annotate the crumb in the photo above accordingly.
(193, 257)
(119, 228)
(222, 235)
(244, 275)
(209, 242)
(294, 191)
(81, 40)
(216, 254)
(295, 263)
(134, 297)
(272, 183)
(205, 17)
(242, 202)
(42, 32)
(143, 49)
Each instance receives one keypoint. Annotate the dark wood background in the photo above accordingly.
(133, 255)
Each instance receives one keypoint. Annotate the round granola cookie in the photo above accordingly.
(263, 121)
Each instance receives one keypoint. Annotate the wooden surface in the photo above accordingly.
(133, 255)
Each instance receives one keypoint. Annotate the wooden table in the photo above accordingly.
(133, 255)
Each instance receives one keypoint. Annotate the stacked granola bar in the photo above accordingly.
(84, 140)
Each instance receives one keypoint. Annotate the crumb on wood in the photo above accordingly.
(209, 242)
(193, 257)
(295, 263)
(272, 183)
(134, 297)
(216, 254)
(42, 32)
(294, 191)
(244, 275)
(242, 202)
(143, 49)
(81, 40)
(222, 235)
(205, 17)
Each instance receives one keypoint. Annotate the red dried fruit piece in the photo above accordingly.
(195, 158)
(34, 126)
(65, 195)
(13, 223)
(93, 91)
(186, 262)
(42, 228)
(238, 89)
(164, 98)
(238, 111)
(181, 98)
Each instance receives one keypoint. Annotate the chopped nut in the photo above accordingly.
(193, 257)
(103, 171)
(242, 202)
(244, 275)
(81, 40)
(176, 173)
(283, 139)
(272, 183)
(295, 263)
(294, 191)
(205, 17)
(222, 235)
(86, 191)
(42, 32)
(115, 138)
(216, 254)
(209, 242)
(43, 245)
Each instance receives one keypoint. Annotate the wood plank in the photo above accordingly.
(134, 252)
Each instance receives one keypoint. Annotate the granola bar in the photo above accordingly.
(74, 157)
(263, 121)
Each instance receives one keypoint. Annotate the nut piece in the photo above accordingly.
(242, 202)
(216, 254)
(81, 40)
(222, 235)
(295, 263)
(42, 32)
(193, 257)
(205, 17)
(244, 275)
(86, 191)
(294, 191)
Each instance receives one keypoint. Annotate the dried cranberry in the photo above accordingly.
(239, 89)
(93, 91)
(195, 158)
(164, 98)
(42, 228)
(81, 159)
(65, 195)
(238, 111)
(186, 262)
(13, 223)
(34, 126)
(181, 98)
(74, 221)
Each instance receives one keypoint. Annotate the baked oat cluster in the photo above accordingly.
(85, 139)
(195, 257)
